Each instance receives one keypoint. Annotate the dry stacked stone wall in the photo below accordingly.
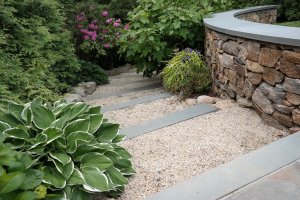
(262, 75)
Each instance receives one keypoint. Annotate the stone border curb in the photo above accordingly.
(227, 23)
(167, 120)
(135, 102)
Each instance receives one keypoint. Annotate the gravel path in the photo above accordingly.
(144, 112)
(181, 151)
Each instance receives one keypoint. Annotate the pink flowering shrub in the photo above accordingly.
(98, 36)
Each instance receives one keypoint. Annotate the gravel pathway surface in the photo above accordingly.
(144, 112)
(176, 153)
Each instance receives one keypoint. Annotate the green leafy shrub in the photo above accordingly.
(187, 73)
(71, 144)
(157, 26)
(17, 180)
(92, 72)
(34, 44)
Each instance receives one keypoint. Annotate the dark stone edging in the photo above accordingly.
(223, 180)
(227, 23)
(167, 120)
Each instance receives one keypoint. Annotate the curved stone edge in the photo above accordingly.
(226, 22)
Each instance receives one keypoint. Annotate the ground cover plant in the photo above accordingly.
(186, 73)
(64, 150)
(292, 23)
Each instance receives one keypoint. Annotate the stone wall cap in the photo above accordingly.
(226, 22)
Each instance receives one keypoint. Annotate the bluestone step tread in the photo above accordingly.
(136, 101)
(167, 120)
(125, 91)
(225, 179)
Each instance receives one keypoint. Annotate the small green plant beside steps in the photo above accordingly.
(187, 73)
(59, 151)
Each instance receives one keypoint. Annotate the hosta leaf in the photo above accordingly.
(61, 156)
(10, 182)
(116, 176)
(42, 117)
(60, 123)
(95, 110)
(65, 170)
(78, 194)
(3, 126)
(95, 160)
(76, 178)
(123, 153)
(17, 133)
(75, 110)
(26, 114)
(33, 179)
(77, 125)
(95, 180)
(123, 163)
(59, 102)
(128, 171)
(52, 134)
(83, 149)
(53, 177)
(10, 119)
(95, 123)
(15, 109)
(75, 138)
(107, 132)
(58, 110)
(118, 138)
(28, 195)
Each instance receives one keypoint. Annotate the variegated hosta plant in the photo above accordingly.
(71, 144)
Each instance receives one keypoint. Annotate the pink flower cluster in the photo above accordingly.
(107, 31)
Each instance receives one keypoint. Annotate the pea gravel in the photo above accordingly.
(176, 153)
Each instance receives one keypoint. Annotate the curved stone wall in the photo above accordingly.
(256, 64)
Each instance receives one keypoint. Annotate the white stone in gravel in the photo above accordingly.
(176, 153)
(225, 104)
(207, 99)
(191, 101)
(73, 98)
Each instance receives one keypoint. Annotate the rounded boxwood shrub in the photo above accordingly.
(187, 73)
(74, 149)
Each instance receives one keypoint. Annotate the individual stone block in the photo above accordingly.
(296, 116)
(294, 129)
(231, 47)
(268, 119)
(262, 102)
(283, 119)
(248, 89)
(254, 47)
(232, 76)
(245, 103)
(252, 56)
(269, 57)
(284, 109)
(89, 87)
(293, 99)
(73, 98)
(272, 76)
(254, 78)
(240, 81)
(290, 69)
(292, 56)
(271, 93)
(292, 85)
(226, 60)
(254, 66)
(241, 69)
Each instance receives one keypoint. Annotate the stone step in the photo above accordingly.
(149, 86)
(136, 101)
(225, 179)
(167, 120)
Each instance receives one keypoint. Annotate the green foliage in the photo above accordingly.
(33, 45)
(92, 72)
(187, 73)
(71, 144)
(120, 8)
(17, 180)
(157, 26)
